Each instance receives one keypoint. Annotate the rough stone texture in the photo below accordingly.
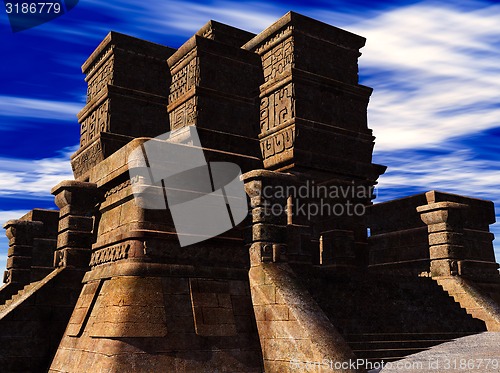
(293, 329)
(283, 290)
(310, 99)
(32, 242)
(385, 316)
(126, 97)
(214, 87)
(139, 319)
(459, 237)
(448, 233)
(476, 302)
(398, 237)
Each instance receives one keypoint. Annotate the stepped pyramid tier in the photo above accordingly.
(264, 138)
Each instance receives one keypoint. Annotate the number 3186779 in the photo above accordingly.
(33, 8)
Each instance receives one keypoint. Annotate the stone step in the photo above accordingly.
(379, 354)
(395, 344)
(458, 292)
(404, 336)
(18, 295)
(376, 347)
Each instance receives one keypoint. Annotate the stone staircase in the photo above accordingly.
(33, 321)
(394, 346)
(387, 317)
(26, 292)
(472, 300)
(18, 297)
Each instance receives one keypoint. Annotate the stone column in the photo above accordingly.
(268, 235)
(292, 327)
(445, 224)
(76, 201)
(21, 235)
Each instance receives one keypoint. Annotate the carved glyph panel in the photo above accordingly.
(278, 60)
(277, 108)
(184, 79)
(184, 115)
(96, 122)
(277, 142)
(101, 79)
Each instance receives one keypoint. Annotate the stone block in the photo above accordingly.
(440, 268)
(94, 151)
(129, 307)
(76, 239)
(446, 251)
(288, 349)
(20, 250)
(277, 312)
(281, 329)
(179, 305)
(180, 324)
(17, 275)
(76, 197)
(237, 288)
(205, 299)
(263, 295)
(268, 232)
(49, 218)
(443, 238)
(22, 232)
(121, 52)
(43, 252)
(294, 38)
(72, 257)
(224, 301)
(217, 315)
(76, 223)
(19, 262)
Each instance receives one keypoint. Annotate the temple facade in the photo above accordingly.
(314, 277)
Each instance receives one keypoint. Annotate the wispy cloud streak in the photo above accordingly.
(33, 178)
(435, 72)
(25, 107)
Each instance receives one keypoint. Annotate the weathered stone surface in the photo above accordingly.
(214, 84)
(299, 274)
(459, 238)
(292, 328)
(126, 97)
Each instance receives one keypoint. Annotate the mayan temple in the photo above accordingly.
(104, 285)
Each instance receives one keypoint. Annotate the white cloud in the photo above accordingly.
(10, 214)
(23, 107)
(186, 17)
(33, 178)
(190, 16)
(456, 172)
(435, 73)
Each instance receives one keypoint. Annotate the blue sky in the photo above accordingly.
(434, 67)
